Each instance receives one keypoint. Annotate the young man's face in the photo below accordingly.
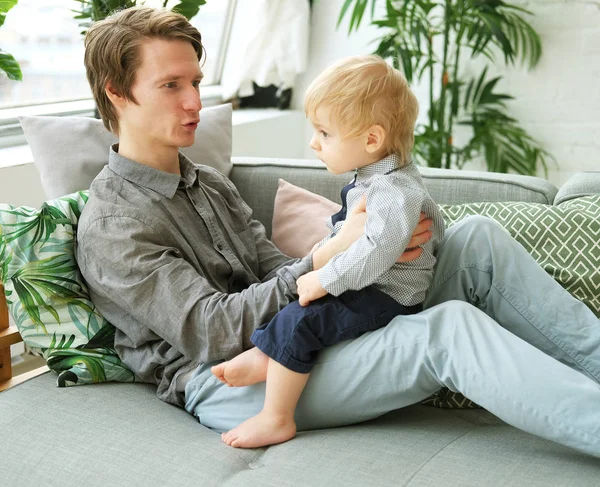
(166, 89)
(340, 154)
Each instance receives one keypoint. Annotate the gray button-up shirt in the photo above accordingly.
(396, 197)
(179, 267)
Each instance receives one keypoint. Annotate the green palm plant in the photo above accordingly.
(8, 64)
(467, 29)
(93, 10)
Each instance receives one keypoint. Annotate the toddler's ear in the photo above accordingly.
(375, 139)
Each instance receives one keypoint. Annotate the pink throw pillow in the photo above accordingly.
(299, 219)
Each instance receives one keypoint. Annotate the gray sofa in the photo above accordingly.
(121, 434)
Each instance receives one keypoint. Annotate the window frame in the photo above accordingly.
(11, 132)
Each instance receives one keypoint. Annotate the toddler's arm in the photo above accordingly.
(393, 213)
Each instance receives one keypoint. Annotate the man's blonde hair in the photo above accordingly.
(112, 51)
(362, 91)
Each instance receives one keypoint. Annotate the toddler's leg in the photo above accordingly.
(478, 262)
(246, 369)
(275, 423)
(292, 339)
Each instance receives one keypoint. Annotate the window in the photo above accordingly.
(45, 38)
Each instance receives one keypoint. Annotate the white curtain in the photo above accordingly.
(268, 45)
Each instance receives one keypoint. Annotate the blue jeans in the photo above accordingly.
(532, 367)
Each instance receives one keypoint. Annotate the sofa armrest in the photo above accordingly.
(581, 184)
(9, 335)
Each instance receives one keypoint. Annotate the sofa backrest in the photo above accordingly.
(257, 180)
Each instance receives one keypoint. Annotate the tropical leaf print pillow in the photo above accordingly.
(47, 297)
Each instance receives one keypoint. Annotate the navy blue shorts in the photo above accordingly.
(297, 333)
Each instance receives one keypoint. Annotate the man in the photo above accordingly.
(175, 261)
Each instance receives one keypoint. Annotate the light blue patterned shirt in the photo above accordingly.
(395, 198)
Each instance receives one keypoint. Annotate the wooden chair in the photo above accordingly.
(9, 335)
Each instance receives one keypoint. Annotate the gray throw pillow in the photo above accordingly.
(69, 152)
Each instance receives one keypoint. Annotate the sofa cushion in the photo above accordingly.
(47, 297)
(455, 186)
(69, 152)
(563, 239)
(296, 206)
(83, 437)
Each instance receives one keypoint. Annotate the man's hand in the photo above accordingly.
(309, 288)
(421, 235)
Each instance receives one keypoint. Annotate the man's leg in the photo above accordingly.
(480, 263)
(453, 344)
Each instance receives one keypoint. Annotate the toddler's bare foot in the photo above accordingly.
(246, 369)
(261, 430)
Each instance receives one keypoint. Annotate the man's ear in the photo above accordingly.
(116, 99)
(375, 139)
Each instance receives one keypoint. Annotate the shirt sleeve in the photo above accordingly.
(125, 260)
(393, 212)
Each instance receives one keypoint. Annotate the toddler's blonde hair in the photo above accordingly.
(362, 91)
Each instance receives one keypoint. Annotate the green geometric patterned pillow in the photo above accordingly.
(563, 239)
(46, 295)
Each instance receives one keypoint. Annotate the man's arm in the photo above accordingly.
(271, 259)
(126, 262)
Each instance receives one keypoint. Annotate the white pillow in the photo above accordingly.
(69, 152)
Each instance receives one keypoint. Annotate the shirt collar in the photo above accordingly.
(162, 182)
(383, 166)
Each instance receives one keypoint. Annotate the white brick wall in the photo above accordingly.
(558, 102)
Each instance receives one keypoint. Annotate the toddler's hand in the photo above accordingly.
(309, 288)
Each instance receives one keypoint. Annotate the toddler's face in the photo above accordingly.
(340, 154)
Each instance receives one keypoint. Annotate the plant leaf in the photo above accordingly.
(10, 66)
(188, 8)
(5, 6)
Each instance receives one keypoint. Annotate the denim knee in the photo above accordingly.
(459, 317)
(476, 228)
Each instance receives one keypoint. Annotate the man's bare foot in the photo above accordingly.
(246, 369)
(261, 430)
